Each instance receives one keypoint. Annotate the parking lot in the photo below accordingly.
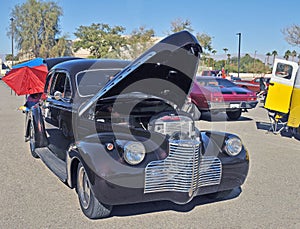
(32, 197)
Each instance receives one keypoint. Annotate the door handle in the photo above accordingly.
(272, 84)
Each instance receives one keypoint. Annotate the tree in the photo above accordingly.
(179, 24)
(268, 57)
(214, 53)
(205, 41)
(246, 65)
(100, 39)
(36, 28)
(292, 34)
(287, 54)
(274, 54)
(8, 57)
(138, 42)
(294, 54)
(61, 48)
(225, 50)
(228, 58)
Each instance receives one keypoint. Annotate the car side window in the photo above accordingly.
(58, 83)
(48, 84)
(67, 91)
(284, 71)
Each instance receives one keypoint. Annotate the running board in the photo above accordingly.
(56, 165)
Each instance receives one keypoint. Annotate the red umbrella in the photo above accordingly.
(27, 80)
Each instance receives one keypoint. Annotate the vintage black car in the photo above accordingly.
(117, 133)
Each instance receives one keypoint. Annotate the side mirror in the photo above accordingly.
(57, 95)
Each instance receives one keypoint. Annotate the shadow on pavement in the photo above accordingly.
(288, 133)
(263, 126)
(159, 206)
(221, 117)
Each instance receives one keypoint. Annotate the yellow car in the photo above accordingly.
(284, 92)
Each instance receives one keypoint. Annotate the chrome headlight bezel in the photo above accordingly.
(134, 152)
(233, 146)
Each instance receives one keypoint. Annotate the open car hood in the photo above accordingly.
(166, 70)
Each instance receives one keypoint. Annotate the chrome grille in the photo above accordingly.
(183, 170)
(210, 171)
(178, 172)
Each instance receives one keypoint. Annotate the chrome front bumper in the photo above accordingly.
(232, 105)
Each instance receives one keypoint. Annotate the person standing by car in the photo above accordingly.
(32, 99)
(262, 86)
(223, 73)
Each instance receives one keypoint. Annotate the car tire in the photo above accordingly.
(234, 115)
(90, 206)
(32, 140)
(193, 110)
(297, 133)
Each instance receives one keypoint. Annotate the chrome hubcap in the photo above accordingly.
(32, 138)
(84, 190)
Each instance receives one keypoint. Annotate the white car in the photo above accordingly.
(4, 69)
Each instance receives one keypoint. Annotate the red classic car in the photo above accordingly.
(211, 73)
(219, 95)
(252, 84)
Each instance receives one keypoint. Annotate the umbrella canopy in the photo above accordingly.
(31, 63)
(27, 80)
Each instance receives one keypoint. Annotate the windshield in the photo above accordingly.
(89, 82)
(215, 82)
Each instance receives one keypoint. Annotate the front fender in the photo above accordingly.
(213, 145)
(35, 117)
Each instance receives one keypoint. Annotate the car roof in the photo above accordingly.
(77, 65)
(50, 62)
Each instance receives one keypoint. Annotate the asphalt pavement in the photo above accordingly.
(32, 197)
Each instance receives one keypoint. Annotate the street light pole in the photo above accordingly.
(239, 53)
(12, 41)
(254, 60)
(12, 45)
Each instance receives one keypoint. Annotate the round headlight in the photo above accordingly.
(134, 152)
(233, 146)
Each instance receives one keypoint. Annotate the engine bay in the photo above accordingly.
(152, 114)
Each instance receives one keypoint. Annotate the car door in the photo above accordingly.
(60, 101)
(294, 116)
(281, 86)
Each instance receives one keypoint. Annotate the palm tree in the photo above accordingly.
(294, 54)
(214, 52)
(274, 54)
(225, 50)
(268, 57)
(287, 54)
(228, 56)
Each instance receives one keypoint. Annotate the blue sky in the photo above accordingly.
(259, 21)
